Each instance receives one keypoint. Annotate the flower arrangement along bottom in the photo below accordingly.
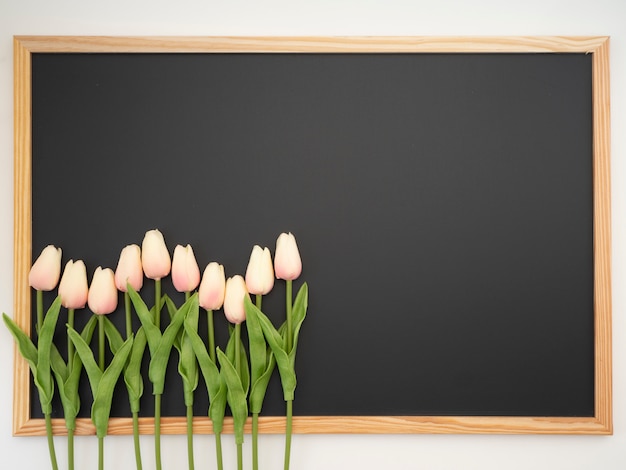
(236, 377)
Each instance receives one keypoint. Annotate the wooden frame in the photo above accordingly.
(601, 423)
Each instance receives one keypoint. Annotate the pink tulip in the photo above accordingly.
(185, 270)
(212, 287)
(155, 258)
(73, 287)
(46, 270)
(234, 299)
(260, 272)
(287, 262)
(129, 270)
(102, 297)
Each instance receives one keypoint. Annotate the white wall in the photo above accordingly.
(328, 17)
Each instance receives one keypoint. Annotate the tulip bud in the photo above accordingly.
(260, 272)
(155, 258)
(102, 297)
(212, 287)
(234, 299)
(46, 270)
(73, 288)
(129, 270)
(287, 262)
(185, 270)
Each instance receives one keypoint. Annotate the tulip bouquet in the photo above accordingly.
(235, 376)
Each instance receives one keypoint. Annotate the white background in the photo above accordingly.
(327, 17)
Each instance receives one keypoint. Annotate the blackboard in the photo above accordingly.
(453, 236)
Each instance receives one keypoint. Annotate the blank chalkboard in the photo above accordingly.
(450, 208)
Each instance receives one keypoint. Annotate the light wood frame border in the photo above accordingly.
(601, 423)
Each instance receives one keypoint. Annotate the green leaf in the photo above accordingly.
(244, 371)
(258, 346)
(160, 358)
(187, 365)
(103, 394)
(171, 310)
(285, 367)
(114, 336)
(300, 305)
(217, 406)
(24, 344)
(67, 381)
(86, 355)
(132, 373)
(58, 365)
(259, 387)
(262, 360)
(299, 313)
(153, 334)
(188, 370)
(216, 387)
(236, 395)
(43, 378)
(69, 401)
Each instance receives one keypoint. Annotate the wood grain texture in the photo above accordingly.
(602, 233)
(601, 423)
(309, 44)
(22, 225)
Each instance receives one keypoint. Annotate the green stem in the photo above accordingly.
(211, 332)
(157, 303)
(39, 310)
(218, 450)
(101, 342)
(136, 439)
(190, 436)
(129, 332)
(238, 369)
(288, 434)
(70, 345)
(53, 456)
(255, 443)
(129, 323)
(289, 345)
(255, 416)
(239, 456)
(288, 305)
(238, 349)
(157, 397)
(70, 449)
(100, 453)
(157, 430)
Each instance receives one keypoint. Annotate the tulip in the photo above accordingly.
(234, 299)
(154, 256)
(288, 266)
(129, 270)
(73, 287)
(185, 270)
(287, 262)
(102, 296)
(260, 272)
(45, 272)
(212, 287)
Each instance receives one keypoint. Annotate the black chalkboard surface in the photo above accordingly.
(443, 204)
